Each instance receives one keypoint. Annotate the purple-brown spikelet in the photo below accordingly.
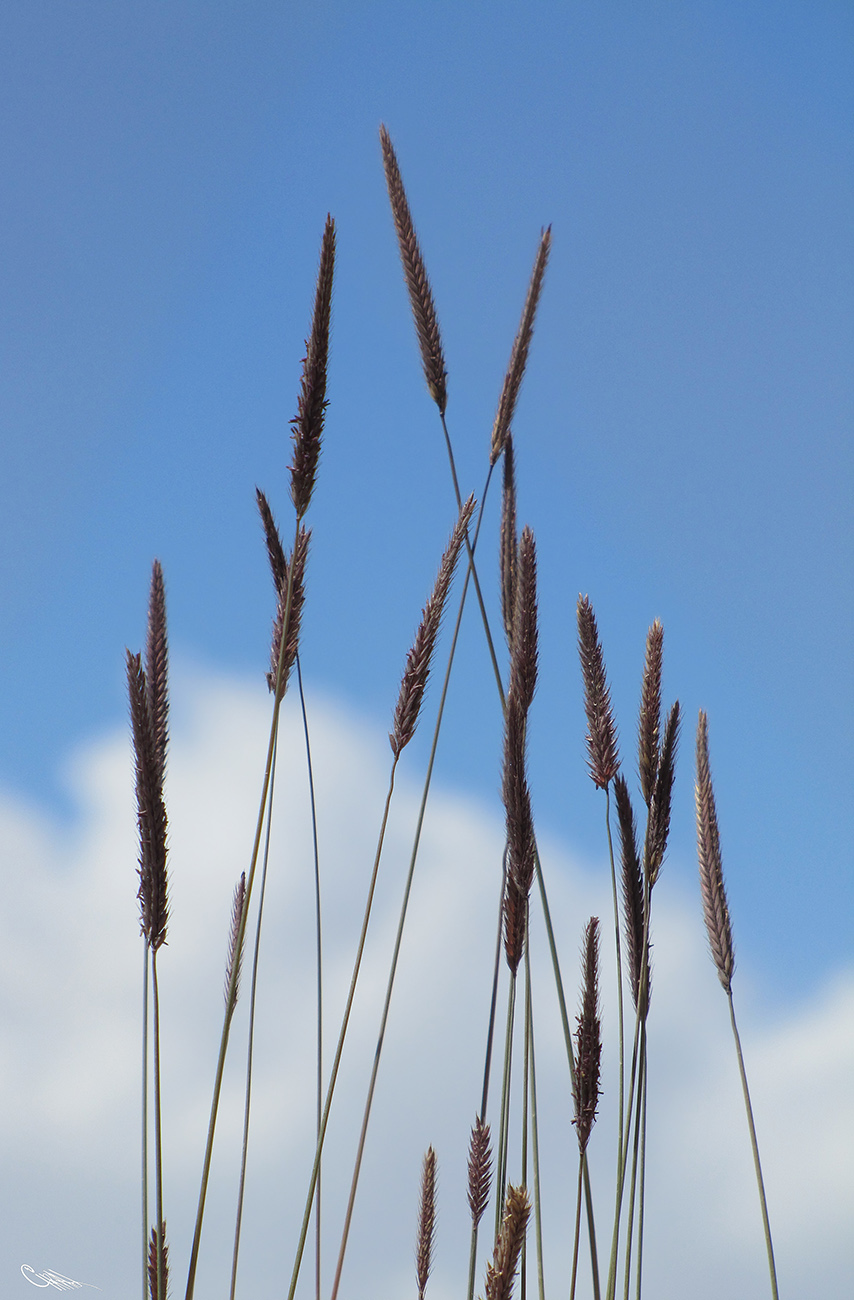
(235, 952)
(602, 757)
(517, 799)
(417, 283)
(311, 408)
(515, 910)
(519, 355)
(426, 1222)
(479, 1170)
(151, 811)
(632, 880)
(275, 550)
(523, 663)
(649, 722)
(509, 542)
(715, 906)
(297, 602)
(154, 1292)
(156, 670)
(658, 824)
(585, 1079)
(418, 660)
(501, 1273)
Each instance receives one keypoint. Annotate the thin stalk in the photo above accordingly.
(526, 1044)
(158, 1147)
(635, 1150)
(251, 1043)
(504, 1121)
(324, 1121)
(577, 1230)
(256, 846)
(620, 1149)
(642, 1183)
(772, 1270)
(317, 913)
(145, 1120)
(470, 547)
(535, 1134)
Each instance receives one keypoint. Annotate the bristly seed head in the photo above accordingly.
(658, 822)
(426, 1222)
(479, 1170)
(585, 1079)
(523, 663)
(715, 906)
(418, 660)
(519, 355)
(649, 722)
(415, 274)
(632, 880)
(603, 759)
(500, 1274)
(311, 408)
(509, 544)
(235, 951)
(294, 618)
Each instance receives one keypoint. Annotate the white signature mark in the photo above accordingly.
(49, 1278)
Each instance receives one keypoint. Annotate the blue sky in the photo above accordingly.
(683, 439)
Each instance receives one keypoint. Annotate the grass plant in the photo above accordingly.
(504, 1152)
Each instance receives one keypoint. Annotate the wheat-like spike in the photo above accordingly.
(602, 759)
(151, 811)
(414, 681)
(426, 1222)
(479, 1170)
(501, 1273)
(156, 670)
(272, 537)
(514, 910)
(152, 1263)
(235, 953)
(632, 880)
(519, 354)
(649, 722)
(311, 407)
(523, 664)
(509, 543)
(297, 602)
(420, 294)
(658, 824)
(715, 906)
(585, 1079)
(521, 852)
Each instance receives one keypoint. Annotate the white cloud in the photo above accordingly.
(69, 1051)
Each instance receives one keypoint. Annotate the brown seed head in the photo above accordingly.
(658, 822)
(585, 1080)
(420, 294)
(715, 906)
(523, 664)
(519, 355)
(418, 660)
(151, 811)
(294, 620)
(156, 670)
(515, 909)
(275, 550)
(479, 1170)
(632, 880)
(501, 1273)
(602, 758)
(649, 722)
(517, 799)
(426, 1222)
(154, 1292)
(311, 408)
(509, 543)
(235, 952)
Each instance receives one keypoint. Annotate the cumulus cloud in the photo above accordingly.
(70, 982)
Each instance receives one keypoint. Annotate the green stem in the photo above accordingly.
(341, 1036)
(145, 1120)
(158, 1148)
(755, 1146)
(535, 1134)
(620, 1149)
